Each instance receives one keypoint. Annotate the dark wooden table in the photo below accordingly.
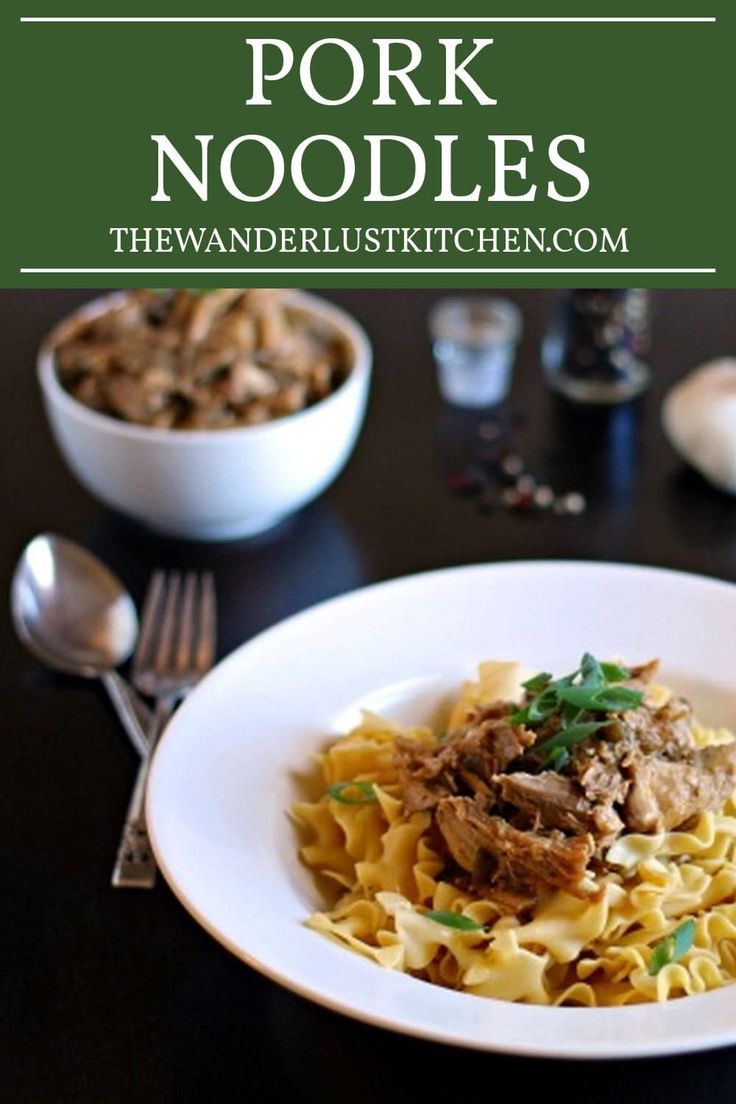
(120, 997)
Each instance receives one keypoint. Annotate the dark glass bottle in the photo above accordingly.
(597, 348)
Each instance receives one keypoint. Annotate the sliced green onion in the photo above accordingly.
(582, 697)
(672, 947)
(594, 687)
(454, 920)
(570, 714)
(612, 672)
(538, 682)
(543, 706)
(616, 699)
(603, 699)
(567, 737)
(566, 680)
(558, 758)
(538, 709)
(591, 671)
(341, 792)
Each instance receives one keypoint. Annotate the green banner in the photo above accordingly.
(539, 145)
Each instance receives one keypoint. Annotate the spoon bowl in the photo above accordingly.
(74, 615)
(70, 610)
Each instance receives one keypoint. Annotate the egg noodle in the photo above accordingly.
(570, 951)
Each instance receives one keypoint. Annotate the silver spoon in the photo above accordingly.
(74, 615)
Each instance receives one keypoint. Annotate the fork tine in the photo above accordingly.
(185, 636)
(149, 622)
(163, 659)
(204, 655)
(178, 647)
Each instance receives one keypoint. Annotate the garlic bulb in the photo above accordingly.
(699, 418)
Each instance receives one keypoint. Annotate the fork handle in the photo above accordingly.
(134, 716)
(135, 866)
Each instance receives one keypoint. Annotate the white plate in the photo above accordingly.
(227, 768)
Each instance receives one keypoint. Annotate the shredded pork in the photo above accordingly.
(491, 849)
(208, 360)
(466, 763)
(518, 830)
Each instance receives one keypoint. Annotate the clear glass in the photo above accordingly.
(474, 342)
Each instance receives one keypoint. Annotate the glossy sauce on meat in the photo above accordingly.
(518, 831)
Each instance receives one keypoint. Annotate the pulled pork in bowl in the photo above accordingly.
(208, 416)
(180, 359)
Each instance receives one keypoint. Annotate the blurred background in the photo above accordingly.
(391, 510)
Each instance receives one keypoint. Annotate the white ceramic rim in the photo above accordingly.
(619, 1046)
(56, 394)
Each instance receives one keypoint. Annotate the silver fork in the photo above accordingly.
(176, 647)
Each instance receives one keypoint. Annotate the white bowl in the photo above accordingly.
(210, 484)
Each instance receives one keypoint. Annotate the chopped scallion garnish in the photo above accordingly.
(538, 682)
(672, 947)
(591, 672)
(566, 738)
(612, 672)
(604, 699)
(454, 920)
(572, 702)
(353, 793)
(558, 758)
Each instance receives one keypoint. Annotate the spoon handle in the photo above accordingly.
(135, 866)
(133, 714)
